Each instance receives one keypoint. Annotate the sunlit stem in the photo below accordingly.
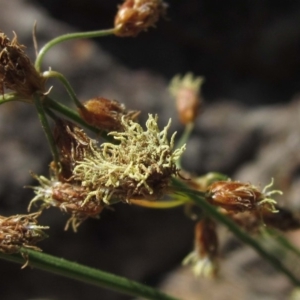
(184, 139)
(67, 37)
(9, 97)
(157, 204)
(67, 85)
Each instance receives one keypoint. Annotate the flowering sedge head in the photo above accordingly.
(235, 196)
(68, 197)
(186, 91)
(140, 165)
(205, 255)
(134, 16)
(17, 73)
(20, 231)
(105, 114)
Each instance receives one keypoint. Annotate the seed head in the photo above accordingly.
(68, 197)
(186, 91)
(17, 73)
(204, 257)
(141, 165)
(134, 16)
(73, 145)
(235, 196)
(20, 231)
(105, 114)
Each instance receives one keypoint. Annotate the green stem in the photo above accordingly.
(186, 135)
(183, 139)
(67, 37)
(239, 233)
(86, 274)
(157, 204)
(67, 112)
(284, 242)
(47, 129)
(66, 84)
(13, 97)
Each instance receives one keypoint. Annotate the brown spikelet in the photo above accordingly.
(73, 145)
(186, 91)
(69, 198)
(235, 196)
(134, 16)
(205, 255)
(20, 231)
(105, 114)
(17, 73)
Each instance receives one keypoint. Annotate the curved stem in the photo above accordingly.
(13, 97)
(67, 85)
(47, 129)
(239, 233)
(86, 274)
(67, 37)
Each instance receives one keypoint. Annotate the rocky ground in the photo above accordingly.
(250, 143)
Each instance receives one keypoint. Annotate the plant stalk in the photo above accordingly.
(67, 37)
(86, 274)
(239, 233)
(66, 84)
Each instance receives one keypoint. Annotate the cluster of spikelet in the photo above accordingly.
(139, 165)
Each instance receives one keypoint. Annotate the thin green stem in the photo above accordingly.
(67, 37)
(239, 233)
(186, 134)
(46, 127)
(13, 97)
(66, 84)
(284, 242)
(86, 274)
(157, 204)
(67, 112)
(188, 191)
(183, 139)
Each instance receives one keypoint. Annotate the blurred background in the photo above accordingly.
(248, 52)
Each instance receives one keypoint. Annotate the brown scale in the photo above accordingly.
(73, 144)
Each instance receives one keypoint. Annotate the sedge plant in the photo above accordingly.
(137, 164)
